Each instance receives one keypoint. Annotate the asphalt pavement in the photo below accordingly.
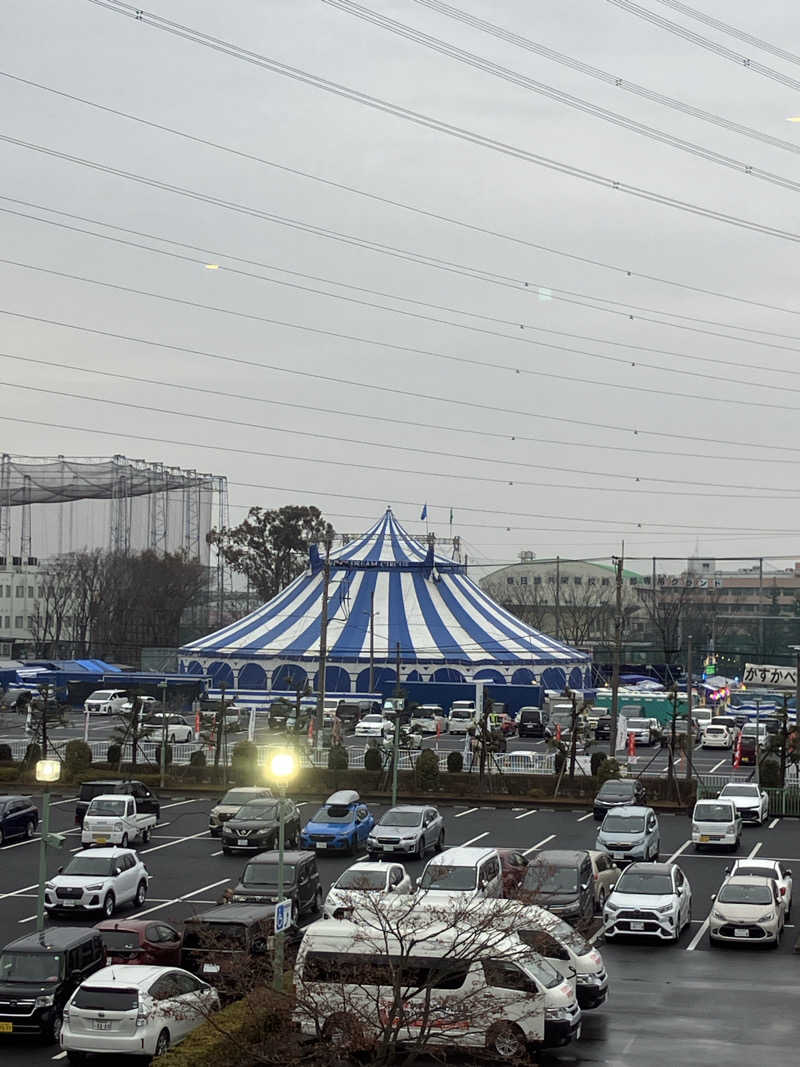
(668, 1004)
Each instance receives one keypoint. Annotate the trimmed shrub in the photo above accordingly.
(77, 757)
(114, 755)
(596, 760)
(338, 759)
(197, 758)
(244, 762)
(455, 762)
(33, 753)
(5, 754)
(560, 761)
(372, 760)
(609, 768)
(427, 769)
(770, 773)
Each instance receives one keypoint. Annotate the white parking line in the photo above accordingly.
(27, 841)
(177, 900)
(754, 850)
(774, 823)
(60, 1056)
(69, 800)
(472, 840)
(467, 812)
(683, 847)
(538, 844)
(716, 766)
(217, 853)
(177, 841)
(698, 937)
(525, 814)
(583, 818)
(177, 803)
(18, 892)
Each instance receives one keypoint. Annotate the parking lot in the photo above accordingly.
(668, 1004)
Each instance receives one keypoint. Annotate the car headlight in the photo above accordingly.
(44, 1002)
(557, 1014)
(93, 888)
(766, 917)
(117, 827)
(715, 914)
(49, 885)
(611, 906)
(665, 909)
(213, 817)
(588, 979)
(730, 829)
(227, 830)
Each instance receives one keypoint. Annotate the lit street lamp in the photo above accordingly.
(283, 766)
(47, 772)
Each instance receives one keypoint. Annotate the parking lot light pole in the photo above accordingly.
(282, 767)
(47, 772)
(163, 687)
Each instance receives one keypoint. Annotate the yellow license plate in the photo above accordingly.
(704, 837)
(101, 840)
(6, 1028)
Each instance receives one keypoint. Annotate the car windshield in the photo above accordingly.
(460, 713)
(258, 812)
(423, 713)
(101, 694)
(541, 969)
(236, 797)
(107, 807)
(549, 879)
(448, 878)
(616, 789)
(102, 998)
(372, 718)
(740, 791)
(355, 879)
(33, 967)
(619, 824)
(335, 813)
(745, 894)
(639, 724)
(756, 872)
(266, 874)
(570, 937)
(90, 865)
(644, 883)
(713, 813)
(215, 937)
(401, 818)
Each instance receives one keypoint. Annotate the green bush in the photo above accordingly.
(426, 770)
(33, 753)
(197, 758)
(5, 754)
(114, 755)
(609, 768)
(596, 760)
(770, 774)
(455, 762)
(77, 757)
(372, 760)
(244, 762)
(560, 761)
(338, 759)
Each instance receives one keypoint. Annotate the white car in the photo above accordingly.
(383, 878)
(716, 736)
(428, 719)
(774, 869)
(373, 725)
(649, 900)
(179, 731)
(747, 909)
(751, 802)
(131, 1010)
(146, 706)
(716, 824)
(99, 880)
(463, 717)
(105, 701)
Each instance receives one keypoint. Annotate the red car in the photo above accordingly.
(141, 941)
(514, 864)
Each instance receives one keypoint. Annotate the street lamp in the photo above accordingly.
(47, 772)
(283, 766)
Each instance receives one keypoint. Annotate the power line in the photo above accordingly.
(428, 122)
(476, 62)
(415, 209)
(703, 42)
(394, 390)
(617, 82)
(732, 31)
(527, 371)
(752, 491)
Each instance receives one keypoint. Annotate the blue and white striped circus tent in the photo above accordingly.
(446, 627)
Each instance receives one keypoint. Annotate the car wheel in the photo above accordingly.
(162, 1044)
(108, 905)
(419, 851)
(440, 841)
(506, 1041)
(601, 901)
(2, 837)
(657, 852)
(124, 842)
(53, 1034)
(226, 851)
(295, 912)
(141, 893)
(29, 828)
(145, 835)
(344, 1032)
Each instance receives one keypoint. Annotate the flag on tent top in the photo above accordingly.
(424, 514)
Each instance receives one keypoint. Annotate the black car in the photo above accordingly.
(230, 944)
(616, 793)
(531, 722)
(146, 801)
(561, 880)
(38, 975)
(259, 882)
(602, 732)
(255, 826)
(279, 713)
(19, 817)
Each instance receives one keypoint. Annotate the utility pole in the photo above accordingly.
(372, 641)
(397, 654)
(323, 645)
(573, 736)
(783, 746)
(43, 691)
(689, 731)
(558, 598)
(612, 744)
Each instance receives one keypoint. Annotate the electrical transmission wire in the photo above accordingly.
(415, 209)
(704, 42)
(509, 37)
(470, 405)
(470, 136)
(315, 435)
(732, 31)
(477, 62)
(526, 371)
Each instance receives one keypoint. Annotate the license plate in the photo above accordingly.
(210, 968)
(241, 842)
(6, 1028)
(98, 1025)
(101, 840)
(322, 844)
(704, 837)
(637, 926)
(68, 903)
(618, 855)
(741, 933)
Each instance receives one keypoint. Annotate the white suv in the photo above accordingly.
(649, 900)
(105, 701)
(98, 879)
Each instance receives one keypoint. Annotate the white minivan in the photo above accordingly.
(460, 873)
(716, 824)
(484, 991)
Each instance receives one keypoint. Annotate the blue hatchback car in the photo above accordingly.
(19, 817)
(342, 824)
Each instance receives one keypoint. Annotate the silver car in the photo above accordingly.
(630, 833)
(409, 828)
(747, 909)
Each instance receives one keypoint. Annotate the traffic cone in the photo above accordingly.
(197, 726)
(737, 758)
(631, 745)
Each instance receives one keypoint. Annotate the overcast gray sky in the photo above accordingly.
(475, 459)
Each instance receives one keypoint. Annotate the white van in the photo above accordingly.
(461, 873)
(481, 992)
(463, 717)
(716, 824)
